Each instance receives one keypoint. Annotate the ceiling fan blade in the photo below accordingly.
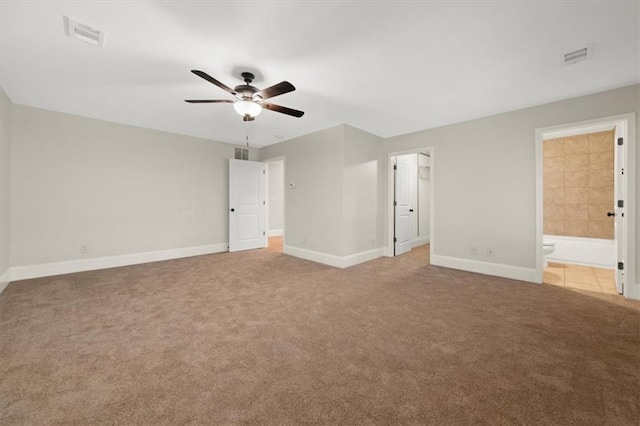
(212, 80)
(276, 90)
(284, 110)
(208, 101)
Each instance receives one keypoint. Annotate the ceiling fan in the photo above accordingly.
(250, 100)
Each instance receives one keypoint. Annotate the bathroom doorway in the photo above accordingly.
(275, 172)
(585, 190)
(410, 207)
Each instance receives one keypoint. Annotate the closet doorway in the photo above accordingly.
(411, 202)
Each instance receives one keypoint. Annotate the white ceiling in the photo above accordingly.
(385, 67)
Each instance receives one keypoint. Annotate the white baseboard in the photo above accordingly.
(363, 256)
(420, 242)
(68, 267)
(275, 233)
(496, 269)
(632, 291)
(332, 259)
(5, 279)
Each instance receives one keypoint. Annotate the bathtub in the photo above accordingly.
(583, 251)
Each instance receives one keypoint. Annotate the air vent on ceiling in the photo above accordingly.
(241, 154)
(577, 55)
(82, 32)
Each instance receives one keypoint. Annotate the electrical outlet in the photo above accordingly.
(491, 252)
(473, 250)
(84, 248)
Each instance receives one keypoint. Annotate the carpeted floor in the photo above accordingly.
(262, 337)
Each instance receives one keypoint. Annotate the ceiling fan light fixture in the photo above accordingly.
(247, 108)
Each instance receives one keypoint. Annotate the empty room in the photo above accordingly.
(319, 212)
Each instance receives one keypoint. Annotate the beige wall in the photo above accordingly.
(484, 183)
(5, 182)
(313, 209)
(363, 202)
(578, 185)
(337, 202)
(118, 189)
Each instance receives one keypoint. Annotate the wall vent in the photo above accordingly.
(577, 55)
(241, 154)
(82, 32)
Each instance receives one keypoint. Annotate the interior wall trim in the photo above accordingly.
(275, 233)
(5, 279)
(420, 242)
(487, 268)
(58, 268)
(331, 259)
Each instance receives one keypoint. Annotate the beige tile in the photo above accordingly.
(598, 212)
(602, 195)
(556, 265)
(577, 212)
(601, 229)
(601, 160)
(551, 195)
(580, 268)
(576, 229)
(605, 276)
(577, 179)
(599, 178)
(601, 142)
(553, 212)
(553, 276)
(580, 276)
(575, 162)
(609, 289)
(553, 164)
(553, 180)
(577, 196)
(583, 286)
(554, 227)
(576, 144)
(553, 147)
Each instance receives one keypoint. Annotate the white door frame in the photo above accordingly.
(282, 158)
(390, 196)
(628, 122)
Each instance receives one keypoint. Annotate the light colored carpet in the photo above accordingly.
(262, 337)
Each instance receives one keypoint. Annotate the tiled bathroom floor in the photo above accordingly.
(580, 277)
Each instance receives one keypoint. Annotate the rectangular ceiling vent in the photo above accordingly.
(82, 32)
(241, 154)
(578, 55)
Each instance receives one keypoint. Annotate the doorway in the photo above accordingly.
(585, 194)
(410, 207)
(275, 203)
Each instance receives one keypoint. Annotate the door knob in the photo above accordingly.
(233, 210)
(609, 214)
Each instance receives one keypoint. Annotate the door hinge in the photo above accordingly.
(263, 233)
(395, 167)
(621, 266)
(264, 203)
(620, 141)
(620, 203)
(264, 172)
(395, 203)
(395, 240)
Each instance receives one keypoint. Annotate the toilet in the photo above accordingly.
(547, 249)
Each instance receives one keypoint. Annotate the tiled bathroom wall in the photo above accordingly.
(578, 185)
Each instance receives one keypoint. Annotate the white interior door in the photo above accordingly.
(618, 208)
(402, 228)
(246, 205)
